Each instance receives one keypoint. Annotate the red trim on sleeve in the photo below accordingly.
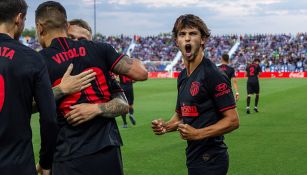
(227, 108)
(116, 61)
(61, 44)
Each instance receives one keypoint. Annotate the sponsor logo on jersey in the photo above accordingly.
(194, 88)
(222, 89)
(189, 111)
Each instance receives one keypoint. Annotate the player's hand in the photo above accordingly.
(81, 113)
(187, 132)
(71, 84)
(158, 126)
(41, 171)
(237, 96)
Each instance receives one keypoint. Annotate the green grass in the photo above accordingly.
(271, 142)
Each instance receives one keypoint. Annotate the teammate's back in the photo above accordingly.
(23, 75)
(252, 72)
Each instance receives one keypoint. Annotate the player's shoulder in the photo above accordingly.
(29, 55)
(208, 66)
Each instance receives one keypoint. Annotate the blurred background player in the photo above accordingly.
(23, 75)
(127, 85)
(253, 72)
(230, 72)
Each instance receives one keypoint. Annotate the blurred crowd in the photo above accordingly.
(278, 52)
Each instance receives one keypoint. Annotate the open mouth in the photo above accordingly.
(188, 49)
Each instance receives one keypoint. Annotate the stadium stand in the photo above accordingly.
(277, 52)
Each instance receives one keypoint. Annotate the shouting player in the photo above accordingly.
(252, 72)
(88, 143)
(205, 108)
(23, 75)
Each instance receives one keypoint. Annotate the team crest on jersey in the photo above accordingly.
(194, 88)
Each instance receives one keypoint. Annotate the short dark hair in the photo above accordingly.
(189, 20)
(11, 8)
(52, 15)
(256, 60)
(81, 23)
(225, 57)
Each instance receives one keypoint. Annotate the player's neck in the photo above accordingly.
(224, 62)
(51, 36)
(7, 29)
(192, 65)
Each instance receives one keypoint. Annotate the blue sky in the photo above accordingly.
(151, 17)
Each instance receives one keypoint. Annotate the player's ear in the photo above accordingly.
(39, 29)
(203, 41)
(176, 42)
(19, 19)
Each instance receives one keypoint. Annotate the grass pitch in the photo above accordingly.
(271, 142)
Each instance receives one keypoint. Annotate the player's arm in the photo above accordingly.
(84, 112)
(160, 127)
(48, 122)
(73, 83)
(228, 123)
(132, 68)
(70, 84)
(236, 87)
(259, 71)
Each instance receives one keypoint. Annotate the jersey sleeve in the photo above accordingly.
(232, 73)
(44, 99)
(259, 69)
(178, 107)
(219, 88)
(111, 56)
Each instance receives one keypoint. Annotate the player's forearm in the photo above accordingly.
(173, 123)
(235, 85)
(113, 108)
(131, 67)
(229, 123)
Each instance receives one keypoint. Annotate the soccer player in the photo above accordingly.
(88, 143)
(23, 75)
(80, 29)
(230, 72)
(205, 108)
(253, 71)
(127, 85)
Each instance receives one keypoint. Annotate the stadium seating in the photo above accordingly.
(278, 52)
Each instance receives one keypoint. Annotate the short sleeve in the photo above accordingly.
(259, 69)
(220, 90)
(179, 81)
(232, 73)
(111, 56)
